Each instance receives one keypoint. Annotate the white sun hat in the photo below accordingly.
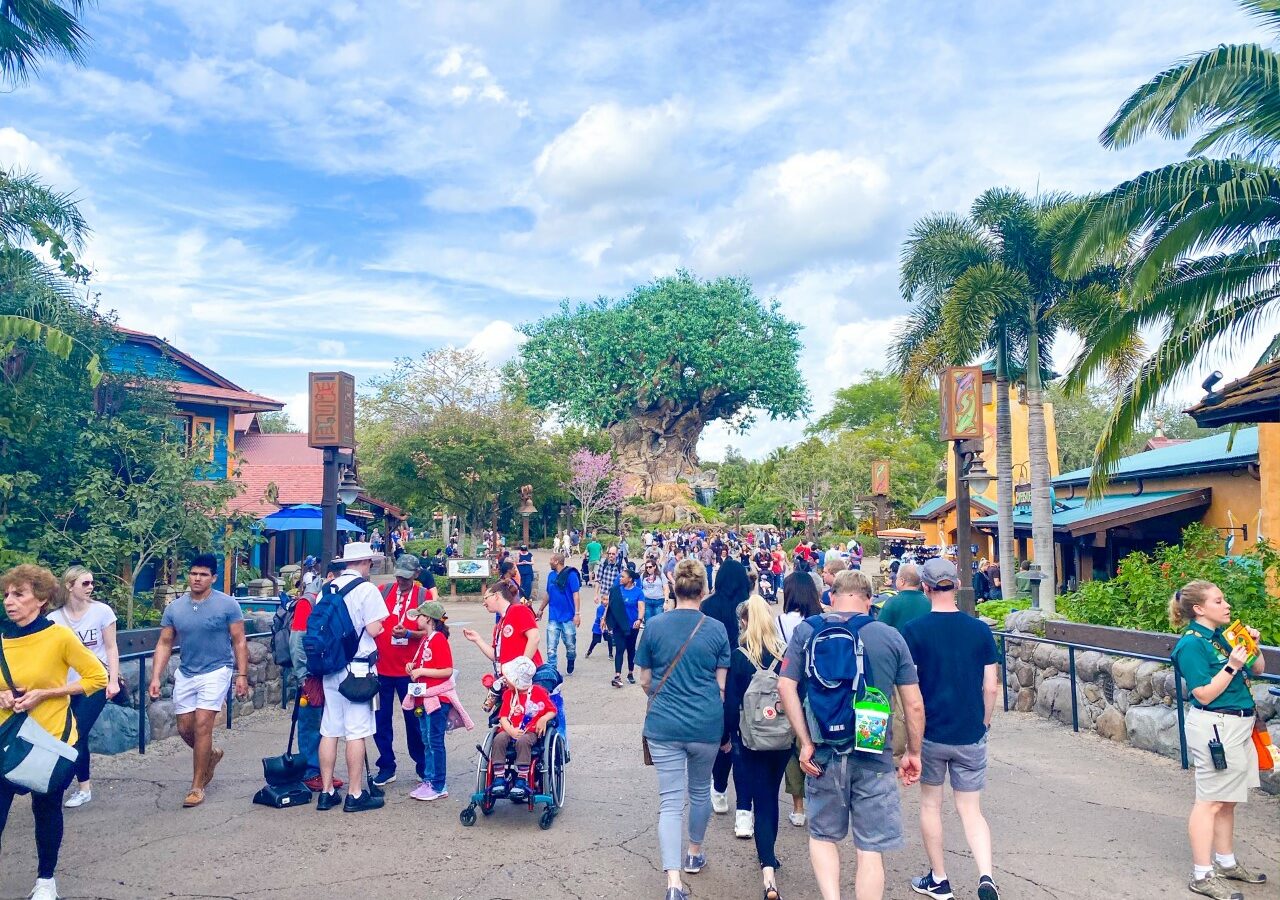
(357, 551)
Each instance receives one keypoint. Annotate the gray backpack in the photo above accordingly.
(762, 722)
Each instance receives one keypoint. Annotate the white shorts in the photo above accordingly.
(1231, 784)
(207, 691)
(341, 717)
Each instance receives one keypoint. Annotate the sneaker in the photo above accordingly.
(45, 889)
(930, 888)
(366, 801)
(79, 798)
(796, 819)
(1236, 873)
(987, 889)
(617, 681)
(520, 791)
(329, 800)
(384, 778)
(1213, 886)
(423, 791)
(316, 783)
(440, 794)
(498, 788)
(744, 824)
(694, 864)
(719, 801)
(631, 679)
(569, 666)
(676, 894)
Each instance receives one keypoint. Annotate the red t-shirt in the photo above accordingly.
(508, 635)
(393, 657)
(523, 708)
(779, 560)
(434, 653)
(301, 612)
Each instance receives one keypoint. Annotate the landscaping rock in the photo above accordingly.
(258, 652)
(1053, 699)
(1111, 725)
(1120, 697)
(1092, 693)
(160, 715)
(1124, 672)
(1268, 705)
(1026, 700)
(1144, 677)
(115, 731)
(1087, 665)
(1153, 728)
(1028, 621)
(1044, 656)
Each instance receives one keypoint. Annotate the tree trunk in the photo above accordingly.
(656, 447)
(1004, 473)
(1038, 451)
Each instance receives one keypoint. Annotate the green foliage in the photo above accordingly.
(672, 346)
(998, 609)
(277, 423)
(878, 401)
(1138, 597)
(35, 30)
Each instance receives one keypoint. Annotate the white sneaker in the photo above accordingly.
(79, 798)
(796, 819)
(45, 889)
(744, 823)
(719, 802)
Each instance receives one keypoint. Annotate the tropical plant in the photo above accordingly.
(984, 285)
(1202, 267)
(32, 30)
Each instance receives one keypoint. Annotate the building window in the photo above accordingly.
(197, 435)
(988, 392)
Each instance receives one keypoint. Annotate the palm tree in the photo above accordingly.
(984, 285)
(1203, 262)
(31, 30)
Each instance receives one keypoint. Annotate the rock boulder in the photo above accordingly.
(1153, 728)
(115, 731)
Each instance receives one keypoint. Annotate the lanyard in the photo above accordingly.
(422, 648)
(1244, 670)
(401, 610)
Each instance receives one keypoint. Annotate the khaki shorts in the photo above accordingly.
(1229, 785)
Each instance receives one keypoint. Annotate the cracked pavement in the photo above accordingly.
(1073, 816)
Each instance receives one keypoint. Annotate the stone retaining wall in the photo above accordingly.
(1124, 700)
(116, 730)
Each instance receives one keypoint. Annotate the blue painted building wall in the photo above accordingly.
(130, 357)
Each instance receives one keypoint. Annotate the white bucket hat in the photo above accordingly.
(357, 551)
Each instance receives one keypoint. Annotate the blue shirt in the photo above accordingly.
(202, 632)
(633, 597)
(560, 599)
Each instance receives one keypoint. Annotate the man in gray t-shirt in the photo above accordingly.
(208, 628)
(856, 789)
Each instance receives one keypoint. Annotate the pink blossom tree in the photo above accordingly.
(594, 483)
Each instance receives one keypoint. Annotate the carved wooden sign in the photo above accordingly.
(880, 477)
(960, 395)
(331, 419)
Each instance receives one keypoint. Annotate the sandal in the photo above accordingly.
(214, 759)
(771, 893)
(194, 797)
(617, 681)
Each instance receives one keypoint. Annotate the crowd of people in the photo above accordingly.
(783, 674)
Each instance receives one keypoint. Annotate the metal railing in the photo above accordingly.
(1179, 700)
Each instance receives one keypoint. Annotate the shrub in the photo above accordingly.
(998, 609)
(1138, 597)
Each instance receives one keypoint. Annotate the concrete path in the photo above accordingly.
(1073, 817)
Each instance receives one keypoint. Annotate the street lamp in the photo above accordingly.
(971, 475)
(348, 488)
(978, 477)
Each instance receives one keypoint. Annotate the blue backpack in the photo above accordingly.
(835, 676)
(331, 640)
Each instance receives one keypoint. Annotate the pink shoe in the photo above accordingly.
(423, 792)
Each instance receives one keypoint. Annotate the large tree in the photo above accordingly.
(654, 367)
(1203, 262)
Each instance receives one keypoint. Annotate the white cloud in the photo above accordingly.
(497, 342)
(21, 153)
(275, 39)
(331, 348)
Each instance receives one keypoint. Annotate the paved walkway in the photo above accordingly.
(1073, 817)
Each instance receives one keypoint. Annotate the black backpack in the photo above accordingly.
(281, 623)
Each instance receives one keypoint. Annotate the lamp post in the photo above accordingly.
(971, 475)
(526, 510)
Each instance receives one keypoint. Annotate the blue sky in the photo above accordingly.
(283, 186)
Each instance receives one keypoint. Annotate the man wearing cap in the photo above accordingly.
(397, 645)
(347, 719)
(956, 659)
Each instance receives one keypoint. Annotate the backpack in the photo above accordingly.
(281, 622)
(761, 722)
(331, 640)
(834, 677)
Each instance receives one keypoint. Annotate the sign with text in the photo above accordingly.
(331, 417)
(960, 396)
(468, 568)
(880, 477)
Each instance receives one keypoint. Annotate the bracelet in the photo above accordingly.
(241, 675)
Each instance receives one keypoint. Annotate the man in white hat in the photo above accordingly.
(343, 718)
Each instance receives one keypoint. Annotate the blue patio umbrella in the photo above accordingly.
(303, 517)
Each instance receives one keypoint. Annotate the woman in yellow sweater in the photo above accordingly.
(39, 655)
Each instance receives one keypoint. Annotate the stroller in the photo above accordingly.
(550, 756)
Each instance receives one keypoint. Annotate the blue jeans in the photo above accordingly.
(392, 690)
(558, 631)
(652, 608)
(433, 760)
(309, 737)
(684, 768)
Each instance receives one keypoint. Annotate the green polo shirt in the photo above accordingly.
(1200, 655)
(903, 607)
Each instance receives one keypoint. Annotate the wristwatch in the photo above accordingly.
(1229, 670)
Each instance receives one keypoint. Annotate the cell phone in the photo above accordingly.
(1216, 752)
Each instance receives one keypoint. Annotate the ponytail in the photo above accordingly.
(1183, 602)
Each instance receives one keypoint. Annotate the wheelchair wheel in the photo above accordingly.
(486, 805)
(555, 770)
(482, 765)
(468, 816)
(548, 816)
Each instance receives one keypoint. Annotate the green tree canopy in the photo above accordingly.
(877, 400)
(33, 30)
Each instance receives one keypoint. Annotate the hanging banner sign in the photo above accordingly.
(331, 416)
(960, 396)
(880, 477)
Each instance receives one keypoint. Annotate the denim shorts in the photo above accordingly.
(851, 795)
(967, 764)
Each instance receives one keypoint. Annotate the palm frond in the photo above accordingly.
(1266, 12)
(31, 30)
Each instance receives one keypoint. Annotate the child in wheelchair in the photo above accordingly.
(525, 711)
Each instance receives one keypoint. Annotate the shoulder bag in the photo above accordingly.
(31, 759)
(644, 741)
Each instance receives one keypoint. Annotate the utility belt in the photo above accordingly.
(1242, 713)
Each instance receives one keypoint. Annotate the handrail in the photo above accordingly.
(1071, 666)
(141, 658)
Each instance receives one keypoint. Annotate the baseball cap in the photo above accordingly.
(406, 566)
(940, 574)
(432, 609)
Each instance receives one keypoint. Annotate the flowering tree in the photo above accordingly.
(594, 483)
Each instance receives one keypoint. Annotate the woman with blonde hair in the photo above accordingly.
(1219, 731)
(759, 771)
(94, 622)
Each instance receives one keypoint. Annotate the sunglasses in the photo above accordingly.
(86, 584)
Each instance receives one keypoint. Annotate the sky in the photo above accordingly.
(304, 185)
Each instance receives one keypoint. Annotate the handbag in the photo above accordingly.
(31, 759)
(360, 688)
(1268, 752)
(644, 741)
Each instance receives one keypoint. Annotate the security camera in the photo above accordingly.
(1214, 377)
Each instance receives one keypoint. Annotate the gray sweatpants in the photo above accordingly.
(683, 768)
